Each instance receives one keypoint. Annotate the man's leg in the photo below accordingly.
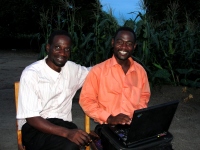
(53, 142)
(36, 140)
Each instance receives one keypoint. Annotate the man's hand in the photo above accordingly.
(79, 137)
(119, 119)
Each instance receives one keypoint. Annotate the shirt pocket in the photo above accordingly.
(132, 94)
(46, 89)
(112, 86)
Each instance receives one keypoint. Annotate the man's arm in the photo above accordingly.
(145, 93)
(75, 135)
(89, 98)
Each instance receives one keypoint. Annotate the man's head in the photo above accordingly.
(124, 43)
(58, 48)
(58, 32)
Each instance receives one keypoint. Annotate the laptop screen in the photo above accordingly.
(150, 122)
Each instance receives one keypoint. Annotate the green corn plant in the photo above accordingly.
(163, 40)
(143, 31)
(46, 26)
(104, 27)
(146, 37)
(189, 54)
(172, 28)
(70, 12)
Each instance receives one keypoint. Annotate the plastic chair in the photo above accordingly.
(19, 134)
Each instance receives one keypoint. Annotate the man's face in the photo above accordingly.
(123, 45)
(58, 52)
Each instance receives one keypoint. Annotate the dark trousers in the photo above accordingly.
(33, 139)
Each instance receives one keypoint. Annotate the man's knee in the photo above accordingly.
(58, 142)
(71, 146)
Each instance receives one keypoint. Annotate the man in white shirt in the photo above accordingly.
(45, 99)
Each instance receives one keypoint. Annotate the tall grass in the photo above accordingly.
(172, 48)
(168, 49)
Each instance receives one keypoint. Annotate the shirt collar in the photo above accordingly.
(52, 73)
(113, 62)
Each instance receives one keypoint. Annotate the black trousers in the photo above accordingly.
(33, 139)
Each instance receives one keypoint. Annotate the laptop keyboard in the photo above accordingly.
(122, 133)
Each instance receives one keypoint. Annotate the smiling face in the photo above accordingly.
(123, 45)
(58, 52)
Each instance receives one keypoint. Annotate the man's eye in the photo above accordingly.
(57, 47)
(67, 49)
(119, 42)
(129, 43)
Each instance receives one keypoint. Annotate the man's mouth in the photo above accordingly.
(60, 58)
(122, 52)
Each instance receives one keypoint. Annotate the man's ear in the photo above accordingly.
(135, 45)
(112, 42)
(47, 48)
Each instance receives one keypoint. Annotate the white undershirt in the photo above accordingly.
(47, 93)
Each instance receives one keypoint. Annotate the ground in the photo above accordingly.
(185, 125)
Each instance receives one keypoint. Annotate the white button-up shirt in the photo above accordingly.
(47, 93)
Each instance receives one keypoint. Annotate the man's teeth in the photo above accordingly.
(60, 58)
(122, 52)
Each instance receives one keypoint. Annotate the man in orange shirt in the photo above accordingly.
(116, 87)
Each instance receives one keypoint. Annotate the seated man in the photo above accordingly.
(116, 87)
(45, 99)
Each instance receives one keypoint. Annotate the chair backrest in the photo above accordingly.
(19, 135)
(87, 127)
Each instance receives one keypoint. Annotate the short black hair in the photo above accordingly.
(125, 29)
(58, 32)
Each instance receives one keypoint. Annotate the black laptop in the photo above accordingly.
(148, 124)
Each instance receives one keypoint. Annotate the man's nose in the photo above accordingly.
(62, 51)
(123, 45)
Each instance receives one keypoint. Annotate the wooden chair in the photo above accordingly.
(19, 134)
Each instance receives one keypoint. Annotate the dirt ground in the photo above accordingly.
(185, 126)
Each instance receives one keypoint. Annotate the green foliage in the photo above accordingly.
(164, 47)
(168, 48)
(103, 28)
(88, 48)
(157, 9)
